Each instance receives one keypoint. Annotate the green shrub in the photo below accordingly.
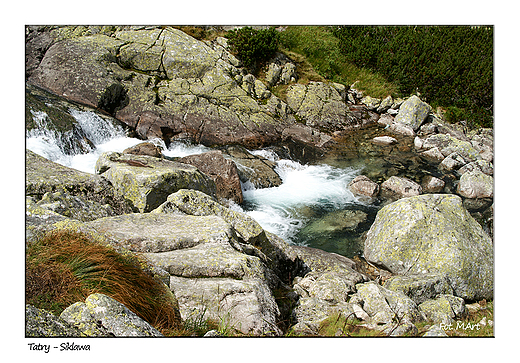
(253, 46)
(449, 65)
(319, 48)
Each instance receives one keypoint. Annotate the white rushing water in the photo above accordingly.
(280, 210)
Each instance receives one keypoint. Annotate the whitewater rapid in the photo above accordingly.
(282, 210)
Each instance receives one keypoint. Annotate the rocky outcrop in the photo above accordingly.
(324, 289)
(145, 182)
(320, 105)
(433, 233)
(161, 82)
(44, 176)
(102, 316)
(221, 262)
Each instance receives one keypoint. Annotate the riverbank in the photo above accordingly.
(304, 156)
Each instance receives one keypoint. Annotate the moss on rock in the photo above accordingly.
(433, 234)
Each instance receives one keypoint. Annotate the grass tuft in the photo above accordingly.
(64, 267)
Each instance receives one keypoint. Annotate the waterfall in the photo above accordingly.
(306, 193)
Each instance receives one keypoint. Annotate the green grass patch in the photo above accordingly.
(318, 50)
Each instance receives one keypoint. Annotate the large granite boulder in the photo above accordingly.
(413, 112)
(220, 263)
(433, 233)
(146, 181)
(250, 236)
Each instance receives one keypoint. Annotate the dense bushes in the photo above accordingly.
(451, 66)
(253, 46)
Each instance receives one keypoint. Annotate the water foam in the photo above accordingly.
(281, 210)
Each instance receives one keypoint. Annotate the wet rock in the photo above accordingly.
(431, 184)
(224, 173)
(146, 181)
(364, 188)
(253, 168)
(145, 148)
(384, 140)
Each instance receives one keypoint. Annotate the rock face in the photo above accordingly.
(161, 82)
(433, 234)
(146, 181)
(101, 315)
(221, 263)
(44, 176)
(224, 173)
(320, 105)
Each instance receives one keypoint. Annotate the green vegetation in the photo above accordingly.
(450, 66)
(64, 267)
(252, 46)
(321, 49)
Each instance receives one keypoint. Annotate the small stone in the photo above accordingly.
(384, 140)
(213, 333)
